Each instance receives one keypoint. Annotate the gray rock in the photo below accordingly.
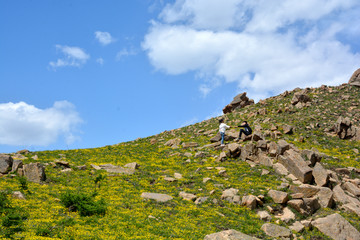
(280, 169)
(18, 195)
(297, 227)
(159, 197)
(320, 174)
(351, 208)
(355, 78)
(287, 215)
(265, 160)
(132, 165)
(278, 196)
(34, 172)
(264, 216)
(336, 227)
(296, 165)
(249, 201)
(6, 162)
(187, 196)
(352, 188)
(282, 147)
(273, 230)
(229, 235)
(16, 165)
(117, 169)
(201, 200)
(326, 197)
(173, 142)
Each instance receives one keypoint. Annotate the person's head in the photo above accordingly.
(245, 122)
(221, 120)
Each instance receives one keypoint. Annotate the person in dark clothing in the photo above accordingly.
(247, 129)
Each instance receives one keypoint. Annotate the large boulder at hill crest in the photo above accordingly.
(238, 102)
(6, 162)
(355, 78)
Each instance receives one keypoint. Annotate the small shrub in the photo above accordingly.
(23, 183)
(83, 203)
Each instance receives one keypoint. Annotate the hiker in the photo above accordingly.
(247, 130)
(222, 129)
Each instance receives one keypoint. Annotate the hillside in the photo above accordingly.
(205, 183)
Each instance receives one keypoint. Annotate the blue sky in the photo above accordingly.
(81, 74)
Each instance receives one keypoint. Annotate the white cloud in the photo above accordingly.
(263, 46)
(24, 124)
(104, 38)
(73, 56)
(100, 61)
(124, 53)
(189, 122)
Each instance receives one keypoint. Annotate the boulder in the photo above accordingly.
(325, 197)
(265, 160)
(249, 201)
(173, 142)
(336, 227)
(6, 162)
(280, 169)
(282, 147)
(16, 165)
(264, 216)
(339, 195)
(159, 197)
(351, 208)
(201, 200)
(239, 101)
(229, 235)
(355, 79)
(301, 97)
(247, 151)
(229, 194)
(352, 188)
(276, 231)
(297, 227)
(287, 215)
(235, 149)
(34, 172)
(311, 156)
(278, 196)
(18, 195)
(307, 190)
(345, 130)
(296, 165)
(320, 174)
(288, 129)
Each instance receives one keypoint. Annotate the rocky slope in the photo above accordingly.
(295, 177)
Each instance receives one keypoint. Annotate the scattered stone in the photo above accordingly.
(187, 196)
(173, 142)
(132, 165)
(300, 97)
(325, 197)
(287, 215)
(18, 195)
(351, 208)
(249, 201)
(288, 129)
(265, 160)
(336, 227)
(66, 170)
(201, 200)
(278, 196)
(169, 179)
(340, 195)
(297, 227)
(62, 163)
(82, 167)
(190, 145)
(205, 180)
(229, 194)
(276, 231)
(264, 172)
(264, 216)
(306, 189)
(178, 176)
(116, 169)
(229, 235)
(159, 197)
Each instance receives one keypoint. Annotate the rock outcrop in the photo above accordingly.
(238, 102)
(355, 78)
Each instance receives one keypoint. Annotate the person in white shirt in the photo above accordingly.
(222, 129)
